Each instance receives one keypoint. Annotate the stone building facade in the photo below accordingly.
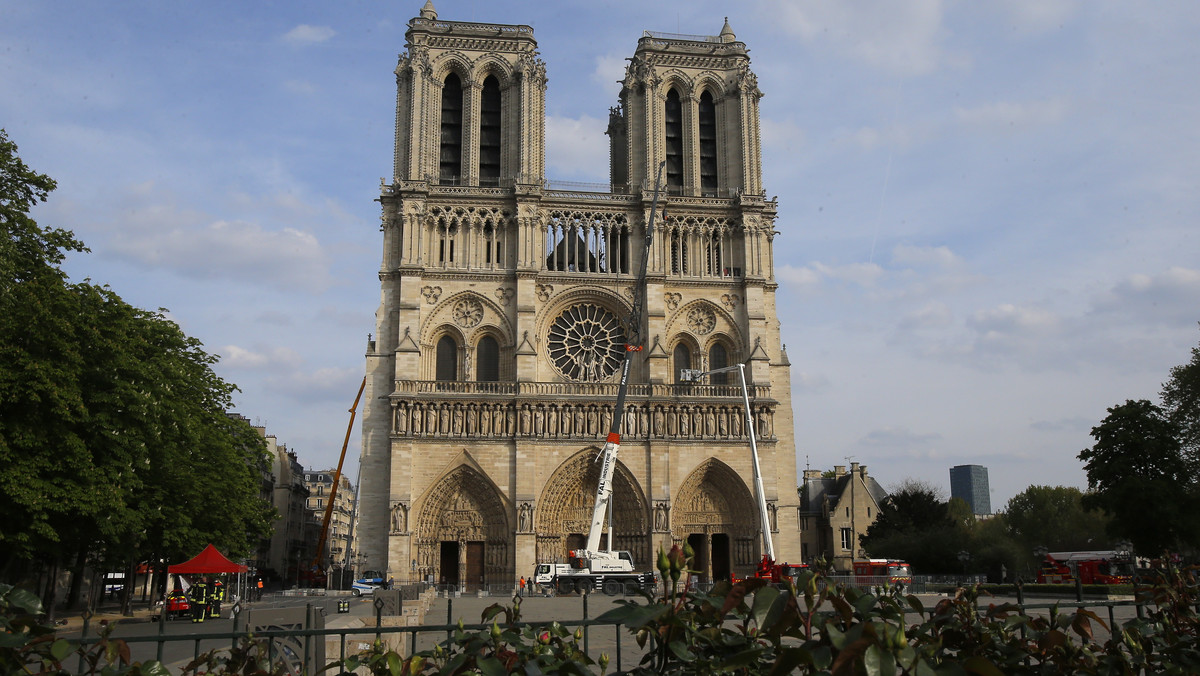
(493, 377)
(835, 513)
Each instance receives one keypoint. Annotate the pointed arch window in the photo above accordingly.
(447, 360)
(450, 155)
(674, 142)
(487, 360)
(681, 359)
(718, 358)
(489, 133)
(707, 117)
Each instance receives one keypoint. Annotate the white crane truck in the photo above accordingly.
(592, 568)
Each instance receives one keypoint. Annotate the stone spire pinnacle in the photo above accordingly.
(727, 32)
(428, 12)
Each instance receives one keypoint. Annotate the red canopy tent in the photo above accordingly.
(207, 562)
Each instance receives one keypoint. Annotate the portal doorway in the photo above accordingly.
(449, 569)
(721, 557)
(699, 544)
(475, 576)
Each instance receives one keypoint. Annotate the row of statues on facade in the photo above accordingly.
(661, 518)
(569, 420)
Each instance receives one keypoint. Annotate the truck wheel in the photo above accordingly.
(583, 586)
(566, 586)
(612, 587)
(632, 588)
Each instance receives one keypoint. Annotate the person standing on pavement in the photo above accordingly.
(198, 600)
(522, 592)
(218, 595)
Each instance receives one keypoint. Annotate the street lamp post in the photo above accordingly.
(964, 556)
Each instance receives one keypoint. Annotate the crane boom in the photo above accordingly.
(634, 344)
(337, 479)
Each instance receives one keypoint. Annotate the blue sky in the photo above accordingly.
(987, 210)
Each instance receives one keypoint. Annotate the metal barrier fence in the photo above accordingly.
(301, 647)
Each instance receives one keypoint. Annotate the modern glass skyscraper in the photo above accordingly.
(970, 482)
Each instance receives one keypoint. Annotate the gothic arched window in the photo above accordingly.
(489, 132)
(681, 359)
(450, 156)
(718, 358)
(707, 117)
(674, 141)
(447, 359)
(487, 360)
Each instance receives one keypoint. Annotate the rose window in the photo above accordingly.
(586, 343)
(468, 312)
(702, 320)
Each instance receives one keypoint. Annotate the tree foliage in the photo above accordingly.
(113, 427)
(1138, 474)
(914, 524)
(1054, 517)
(1181, 400)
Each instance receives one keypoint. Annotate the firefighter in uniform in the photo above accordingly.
(198, 600)
(216, 596)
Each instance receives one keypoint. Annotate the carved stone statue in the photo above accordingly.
(399, 518)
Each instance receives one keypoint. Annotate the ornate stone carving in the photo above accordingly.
(399, 518)
(702, 320)
(505, 294)
(468, 312)
(672, 300)
(730, 301)
(544, 291)
(431, 293)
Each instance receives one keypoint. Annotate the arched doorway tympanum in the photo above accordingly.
(715, 513)
(463, 532)
(564, 512)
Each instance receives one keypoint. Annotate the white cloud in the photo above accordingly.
(577, 148)
(782, 135)
(925, 256)
(898, 37)
(305, 34)
(933, 315)
(322, 384)
(860, 274)
(610, 69)
(1012, 116)
(1171, 297)
(236, 357)
(894, 137)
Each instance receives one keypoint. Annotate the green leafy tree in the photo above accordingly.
(914, 524)
(1054, 517)
(1137, 474)
(1181, 400)
(113, 428)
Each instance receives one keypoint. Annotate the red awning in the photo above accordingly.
(207, 562)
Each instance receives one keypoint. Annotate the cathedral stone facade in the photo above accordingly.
(500, 331)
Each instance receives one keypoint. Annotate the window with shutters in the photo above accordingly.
(450, 162)
(489, 133)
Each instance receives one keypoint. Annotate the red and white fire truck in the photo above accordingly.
(1100, 567)
(878, 571)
